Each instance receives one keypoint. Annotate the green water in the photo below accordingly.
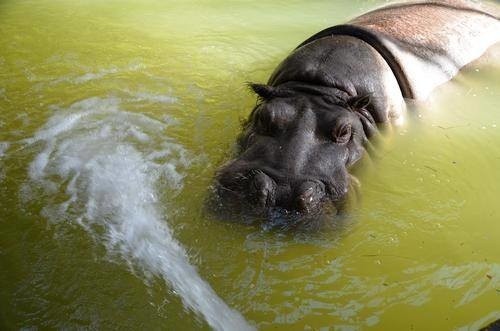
(157, 91)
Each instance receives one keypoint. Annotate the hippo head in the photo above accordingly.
(295, 150)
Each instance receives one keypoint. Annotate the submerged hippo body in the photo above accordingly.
(326, 100)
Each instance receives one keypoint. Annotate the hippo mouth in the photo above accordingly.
(303, 195)
(262, 194)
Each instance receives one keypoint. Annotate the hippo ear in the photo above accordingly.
(266, 92)
(359, 101)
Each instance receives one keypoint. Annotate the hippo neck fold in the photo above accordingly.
(374, 41)
(337, 91)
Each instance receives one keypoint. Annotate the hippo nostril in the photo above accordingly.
(310, 195)
(262, 189)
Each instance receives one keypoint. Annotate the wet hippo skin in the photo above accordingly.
(495, 326)
(317, 115)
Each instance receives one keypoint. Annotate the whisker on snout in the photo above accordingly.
(226, 189)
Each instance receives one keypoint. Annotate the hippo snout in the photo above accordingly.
(262, 189)
(259, 190)
(309, 195)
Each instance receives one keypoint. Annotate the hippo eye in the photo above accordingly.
(342, 134)
(263, 122)
(268, 122)
(250, 139)
(272, 119)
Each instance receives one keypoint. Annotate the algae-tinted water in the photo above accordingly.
(113, 119)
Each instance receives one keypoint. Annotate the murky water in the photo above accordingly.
(113, 119)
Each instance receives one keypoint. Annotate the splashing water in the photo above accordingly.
(109, 162)
(3, 148)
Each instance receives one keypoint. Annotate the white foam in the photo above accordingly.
(4, 145)
(109, 162)
(158, 98)
(93, 75)
(82, 78)
(3, 148)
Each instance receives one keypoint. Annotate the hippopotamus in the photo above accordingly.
(323, 105)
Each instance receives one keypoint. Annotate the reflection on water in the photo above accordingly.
(113, 121)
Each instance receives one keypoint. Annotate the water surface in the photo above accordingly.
(114, 117)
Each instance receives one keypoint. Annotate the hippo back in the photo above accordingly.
(424, 43)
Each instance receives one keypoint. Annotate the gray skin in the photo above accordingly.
(322, 105)
(494, 326)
